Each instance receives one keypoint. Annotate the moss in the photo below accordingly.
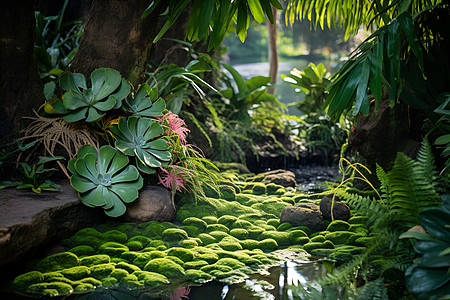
(338, 225)
(243, 198)
(216, 267)
(315, 245)
(339, 237)
(249, 244)
(242, 224)
(208, 257)
(58, 262)
(354, 250)
(102, 270)
(135, 245)
(82, 250)
(268, 245)
(239, 233)
(341, 256)
(206, 239)
(86, 236)
(364, 241)
(140, 238)
(231, 262)
(22, 281)
(83, 288)
(259, 189)
(198, 276)
(128, 267)
(131, 282)
(358, 220)
(109, 282)
(318, 239)
(130, 255)
(273, 222)
(230, 244)
(228, 192)
(284, 226)
(112, 248)
(174, 235)
(216, 227)
(358, 228)
(115, 236)
(76, 273)
(117, 260)
(267, 227)
(191, 230)
(303, 228)
(262, 258)
(153, 229)
(156, 243)
(322, 252)
(53, 288)
(272, 188)
(282, 238)
(219, 235)
(227, 220)
(95, 260)
(145, 257)
(119, 273)
(184, 254)
(210, 219)
(295, 234)
(254, 233)
(89, 280)
(164, 266)
(151, 279)
(193, 221)
(195, 264)
(271, 206)
(50, 276)
(190, 243)
(175, 259)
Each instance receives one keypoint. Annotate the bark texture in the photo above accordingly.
(273, 51)
(116, 37)
(20, 85)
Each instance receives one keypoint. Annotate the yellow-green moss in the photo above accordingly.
(95, 260)
(358, 220)
(164, 266)
(228, 192)
(128, 267)
(271, 206)
(239, 233)
(83, 288)
(58, 262)
(242, 224)
(112, 248)
(249, 244)
(210, 220)
(339, 237)
(318, 239)
(134, 245)
(76, 273)
(303, 228)
(193, 221)
(22, 281)
(151, 279)
(109, 282)
(184, 254)
(174, 235)
(254, 233)
(102, 270)
(206, 239)
(216, 227)
(259, 189)
(273, 222)
(219, 235)
(284, 226)
(119, 274)
(82, 250)
(216, 267)
(316, 245)
(189, 243)
(52, 288)
(89, 280)
(50, 276)
(115, 236)
(145, 257)
(364, 241)
(227, 220)
(338, 225)
(231, 262)
(268, 245)
(272, 188)
(322, 252)
(131, 282)
(153, 229)
(198, 276)
(295, 235)
(282, 238)
(191, 230)
(230, 244)
(208, 257)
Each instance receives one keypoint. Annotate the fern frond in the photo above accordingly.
(199, 126)
(375, 290)
(425, 162)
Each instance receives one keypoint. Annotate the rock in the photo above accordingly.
(154, 204)
(340, 210)
(30, 221)
(280, 177)
(305, 214)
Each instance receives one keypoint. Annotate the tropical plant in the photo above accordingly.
(428, 277)
(140, 137)
(79, 102)
(144, 103)
(104, 178)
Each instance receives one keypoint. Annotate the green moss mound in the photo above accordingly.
(174, 235)
(184, 255)
(58, 262)
(76, 273)
(284, 226)
(112, 248)
(198, 276)
(338, 225)
(165, 267)
(95, 260)
(82, 250)
(282, 238)
(193, 221)
(22, 281)
(339, 237)
(227, 220)
(315, 245)
(216, 227)
(268, 245)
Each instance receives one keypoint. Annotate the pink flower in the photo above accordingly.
(176, 124)
(171, 180)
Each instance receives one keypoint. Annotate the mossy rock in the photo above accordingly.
(87, 236)
(89, 280)
(228, 192)
(130, 268)
(227, 220)
(153, 229)
(242, 224)
(303, 228)
(151, 279)
(249, 244)
(211, 258)
(22, 281)
(243, 198)
(271, 206)
(295, 234)
(131, 282)
(315, 245)
(84, 288)
(95, 260)
(164, 266)
(134, 245)
(82, 250)
(239, 233)
(354, 250)
(254, 233)
(157, 243)
(231, 262)
(175, 259)
(191, 230)
(112, 248)
(117, 260)
(262, 258)
(358, 220)
(119, 274)
(109, 282)
(210, 219)
(219, 235)
(130, 255)
(318, 239)
(50, 276)
(268, 245)
(174, 235)
(322, 252)
(259, 189)
(115, 236)
(284, 226)
(206, 239)
(341, 256)
(282, 238)
(195, 264)
(140, 238)
(184, 254)
(193, 221)
(273, 222)
(271, 188)
(190, 243)
(300, 240)
(51, 289)
(339, 237)
(57, 262)
(364, 241)
(358, 228)
(76, 273)
(211, 269)
(216, 227)
(102, 270)
(338, 225)
(230, 244)
(198, 276)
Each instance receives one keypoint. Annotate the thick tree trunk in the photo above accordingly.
(115, 37)
(20, 85)
(273, 51)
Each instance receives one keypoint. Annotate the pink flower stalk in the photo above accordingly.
(177, 125)
(169, 179)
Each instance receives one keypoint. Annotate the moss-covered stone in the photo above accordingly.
(254, 233)
(242, 224)
(86, 236)
(51, 289)
(112, 248)
(115, 236)
(109, 282)
(164, 266)
(189, 243)
(282, 238)
(284, 226)
(358, 220)
(22, 281)
(365, 241)
(315, 245)
(216, 227)
(228, 192)
(131, 282)
(151, 279)
(210, 258)
(191, 230)
(216, 267)
(195, 264)
(82, 250)
(210, 219)
(273, 222)
(193, 221)
(271, 206)
(57, 262)
(145, 257)
(184, 254)
(76, 273)
(259, 188)
(272, 188)
(119, 273)
(303, 228)
(338, 225)
(207, 239)
(95, 260)
(322, 252)
(227, 220)
(295, 234)
(89, 280)
(249, 244)
(243, 199)
(239, 233)
(341, 255)
(102, 270)
(130, 268)
(262, 258)
(50, 276)
(358, 228)
(231, 262)
(153, 229)
(268, 245)
(230, 244)
(219, 235)
(318, 239)
(157, 243)
(174, 235)
(198, 276)
(134, 245)
(339, 237)
(175, 259)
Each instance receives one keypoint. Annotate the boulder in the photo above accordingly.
(280, 177)
(340, 210)
(154, 204)
(304, 214)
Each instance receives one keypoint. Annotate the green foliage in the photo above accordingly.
(144, 102)
(105, 179)
(138, 137)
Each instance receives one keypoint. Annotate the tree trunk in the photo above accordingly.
(20, 85)
(273, 51)
(115, 37)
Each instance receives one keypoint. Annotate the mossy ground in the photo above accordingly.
(224, 238)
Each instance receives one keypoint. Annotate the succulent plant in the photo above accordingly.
(104, 179)
(107, 90)
(145, 102)
(139, 137)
